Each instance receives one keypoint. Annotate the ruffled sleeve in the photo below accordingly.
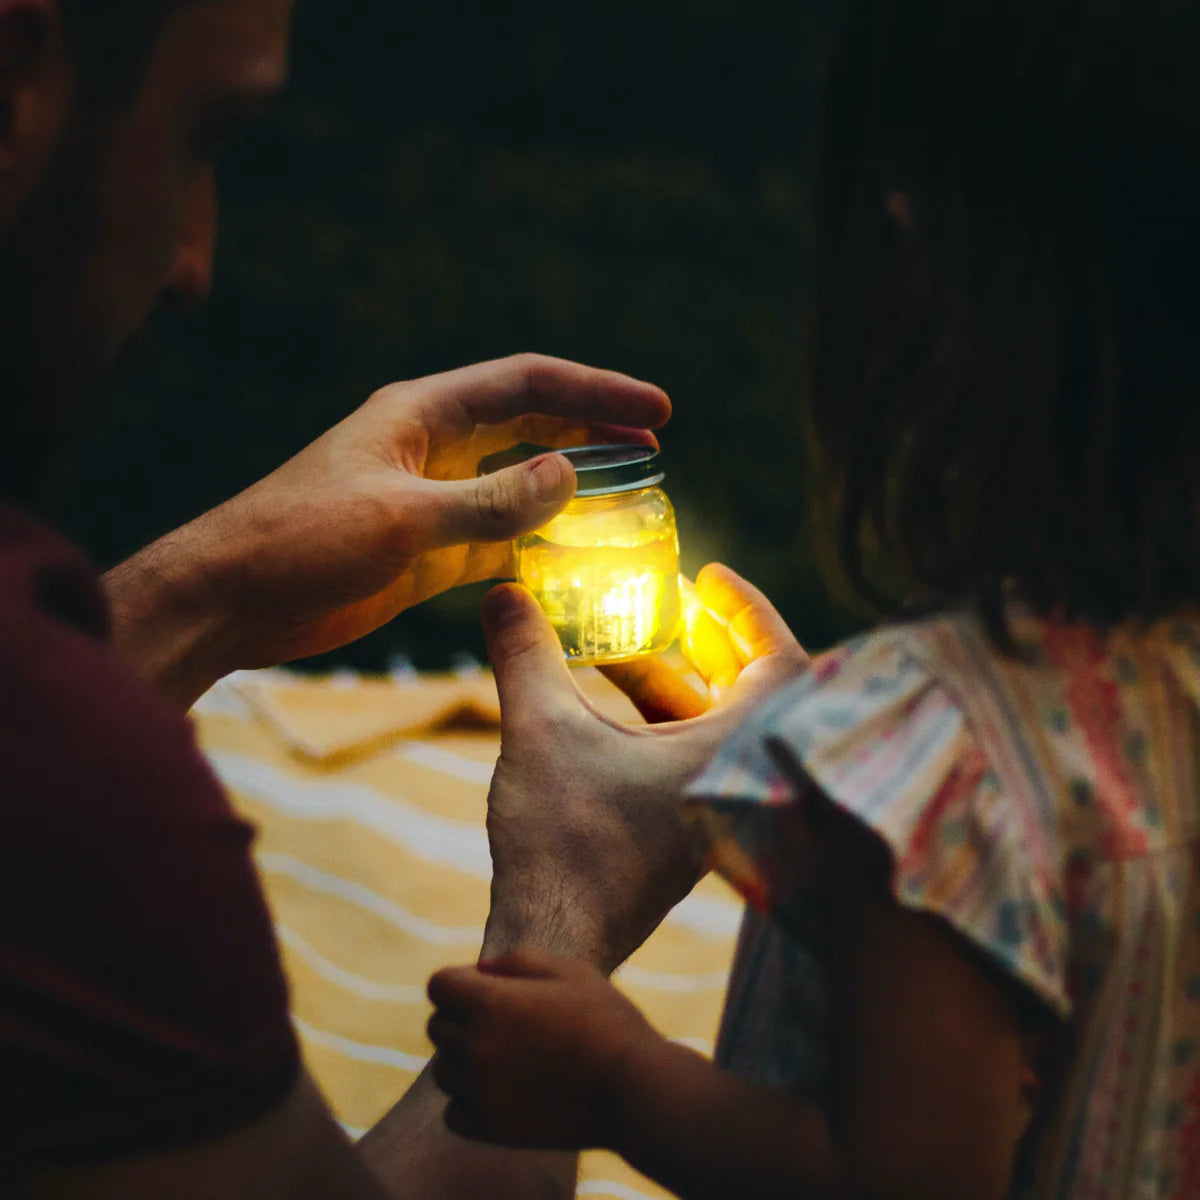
(876, 731)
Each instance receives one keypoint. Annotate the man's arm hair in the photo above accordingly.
(412, 1143)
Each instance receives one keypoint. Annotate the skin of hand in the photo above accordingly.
(932, 1069)
(533, 1050)
(589, 845)
(382, 512)
(538, 1050)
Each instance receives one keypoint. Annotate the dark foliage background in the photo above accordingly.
(626, 184)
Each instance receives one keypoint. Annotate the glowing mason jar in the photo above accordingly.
(606, 569)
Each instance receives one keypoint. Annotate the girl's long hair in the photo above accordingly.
(1007, 400)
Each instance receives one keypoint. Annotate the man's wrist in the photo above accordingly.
(541, 914)
(167, 618)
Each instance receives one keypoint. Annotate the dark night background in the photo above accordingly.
(625, 184)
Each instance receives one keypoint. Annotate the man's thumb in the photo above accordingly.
(505, 504)
(525, 653)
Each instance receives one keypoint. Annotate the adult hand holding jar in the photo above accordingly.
(588, 839)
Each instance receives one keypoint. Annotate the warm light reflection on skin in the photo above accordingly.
(710, 643)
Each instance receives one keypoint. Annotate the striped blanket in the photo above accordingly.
(369, 796)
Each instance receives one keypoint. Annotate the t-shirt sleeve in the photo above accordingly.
(142, 1002)
(887, 743)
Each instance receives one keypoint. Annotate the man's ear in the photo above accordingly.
(36, 88)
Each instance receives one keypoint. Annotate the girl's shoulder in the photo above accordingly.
(1093, 730)
(985, 773)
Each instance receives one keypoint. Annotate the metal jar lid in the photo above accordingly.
(600, 470)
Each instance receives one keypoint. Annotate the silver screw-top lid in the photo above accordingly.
(600, 470)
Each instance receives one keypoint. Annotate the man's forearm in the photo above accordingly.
(166, 622)
(415, 1157)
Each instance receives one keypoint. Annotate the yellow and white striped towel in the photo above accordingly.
(369, 796)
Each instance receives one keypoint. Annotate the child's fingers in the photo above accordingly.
(458, 992)
(454, 1075)
(444, 1032)
(464, 1120)
(755, 627)
(526, 963)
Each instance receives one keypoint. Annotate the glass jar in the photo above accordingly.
(606, 569)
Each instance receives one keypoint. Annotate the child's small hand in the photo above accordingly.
(533, 1050)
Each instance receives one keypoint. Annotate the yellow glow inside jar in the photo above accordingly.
(606, 569)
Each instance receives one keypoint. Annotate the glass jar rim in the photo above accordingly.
(600, 470)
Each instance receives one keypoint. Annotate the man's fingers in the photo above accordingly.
(556, 434)
(755, 628)
(493, 392)
(603, 435)
(707, 644)
(658, 691)
(492, 508)
(527, 658)
(730, 628)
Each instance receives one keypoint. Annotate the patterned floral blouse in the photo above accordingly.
(1047, 806)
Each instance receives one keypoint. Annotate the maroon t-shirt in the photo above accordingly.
(142, 1004)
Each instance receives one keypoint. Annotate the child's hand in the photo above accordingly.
(533, 1050)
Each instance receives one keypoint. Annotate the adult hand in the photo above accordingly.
(380, 513)
(731, 635)
(589, 846)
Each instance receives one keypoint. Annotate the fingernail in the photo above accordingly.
(545, 478)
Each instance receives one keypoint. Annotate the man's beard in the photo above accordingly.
(51, 368)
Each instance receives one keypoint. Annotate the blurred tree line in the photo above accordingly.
(625, 184)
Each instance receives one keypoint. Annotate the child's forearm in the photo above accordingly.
(702, 1132)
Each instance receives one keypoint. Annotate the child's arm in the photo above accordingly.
(931, 1097)
(538, 1051)
(703, 1132)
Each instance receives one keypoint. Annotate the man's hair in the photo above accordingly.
(112, 42)
(1008, 391)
